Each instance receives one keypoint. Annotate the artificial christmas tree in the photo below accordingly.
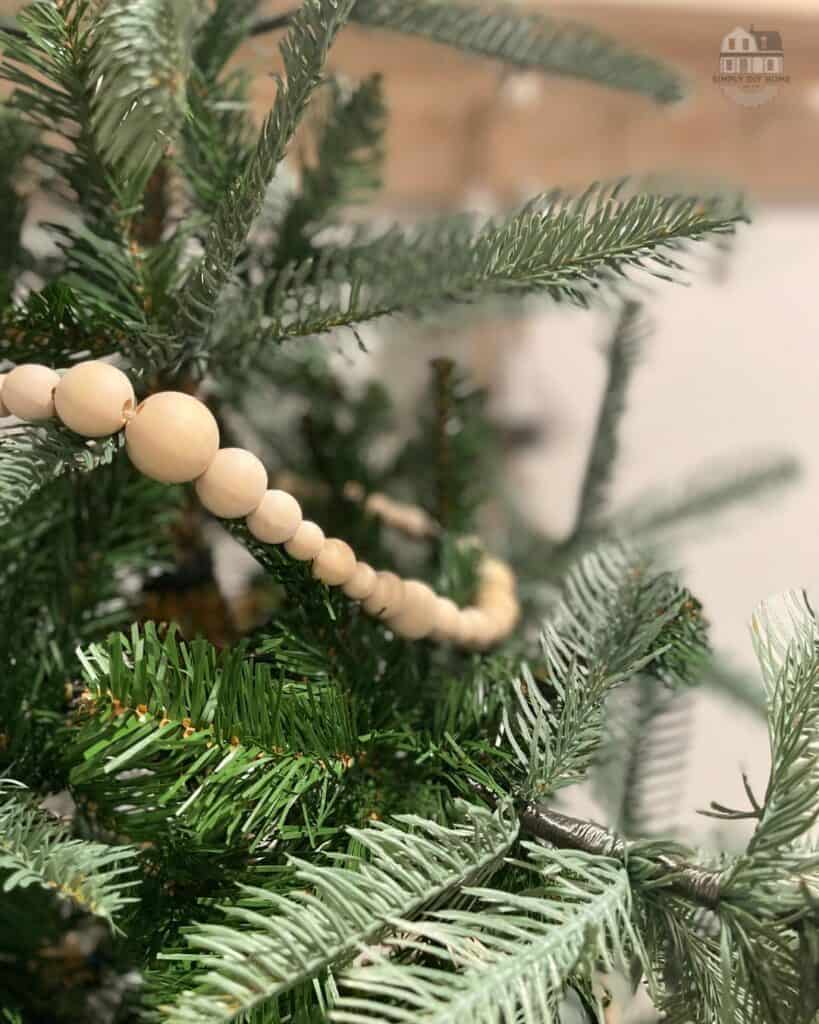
(341, 796)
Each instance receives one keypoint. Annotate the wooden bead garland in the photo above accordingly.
(173, 437)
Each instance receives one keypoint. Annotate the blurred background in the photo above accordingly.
(731, 367)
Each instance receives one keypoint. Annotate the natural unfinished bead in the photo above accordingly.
(494, 571)
(172, 437)
(416, 618)
(503, 610)
(94, 398)
(387, 597)
(28, 392)
(234, 483)
(446, 619)
(306, 542)
(362, 583)
(335, 563)
(3, 410)
(475, 631)
(276, 518)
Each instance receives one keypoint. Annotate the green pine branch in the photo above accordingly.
(211, 744)
(508, 959)
(789, 657)
(349, 157)
(621, 357)
(564, 247)
(219, 35)
(528, 41)
(617, 618)
(33, 456)
(304, 52)
(255, 956)
(644, 763)
(141, 60)
(17, 139)
(62, 83)
(346, 167)
(36, 850)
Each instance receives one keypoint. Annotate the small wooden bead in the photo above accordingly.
(335, 563)
(376, 504)
(28, 392)
(475, 631)
(503, 614)
(172, 437)
(276, 518)
(92, 399)
(306, 542)
(362, 583)
(353, 491)
(233, 485)
(416, 522)
(493, 570)
(387, 597)
(416, 618)
(446, 620)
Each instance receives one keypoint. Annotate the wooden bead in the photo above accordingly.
(353, 491)
(376, 504)
(362, 583)
(93, 398)
(276, 518)
(475, 631)
(446, 619)
(306, 542)
(172, 437)
(28, 392)
(416, 618)
(493, 570)
(233, 485)
(387, 596)
(415, 522)
(503, 612)
(335, 563)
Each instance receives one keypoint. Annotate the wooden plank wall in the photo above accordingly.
(457, 131)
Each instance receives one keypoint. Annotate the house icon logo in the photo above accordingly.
(751, 66)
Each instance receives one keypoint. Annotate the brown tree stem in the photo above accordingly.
(698, 884)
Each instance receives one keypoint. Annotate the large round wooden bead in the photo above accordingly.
(276, 518)
(335, 563)
(416, 618)
(362, 583)
(387, 596)
(3, 410)
(172, 437)
(28, 392)
(92, 399)
(233, 485)
(447, 620)
(306, 542)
